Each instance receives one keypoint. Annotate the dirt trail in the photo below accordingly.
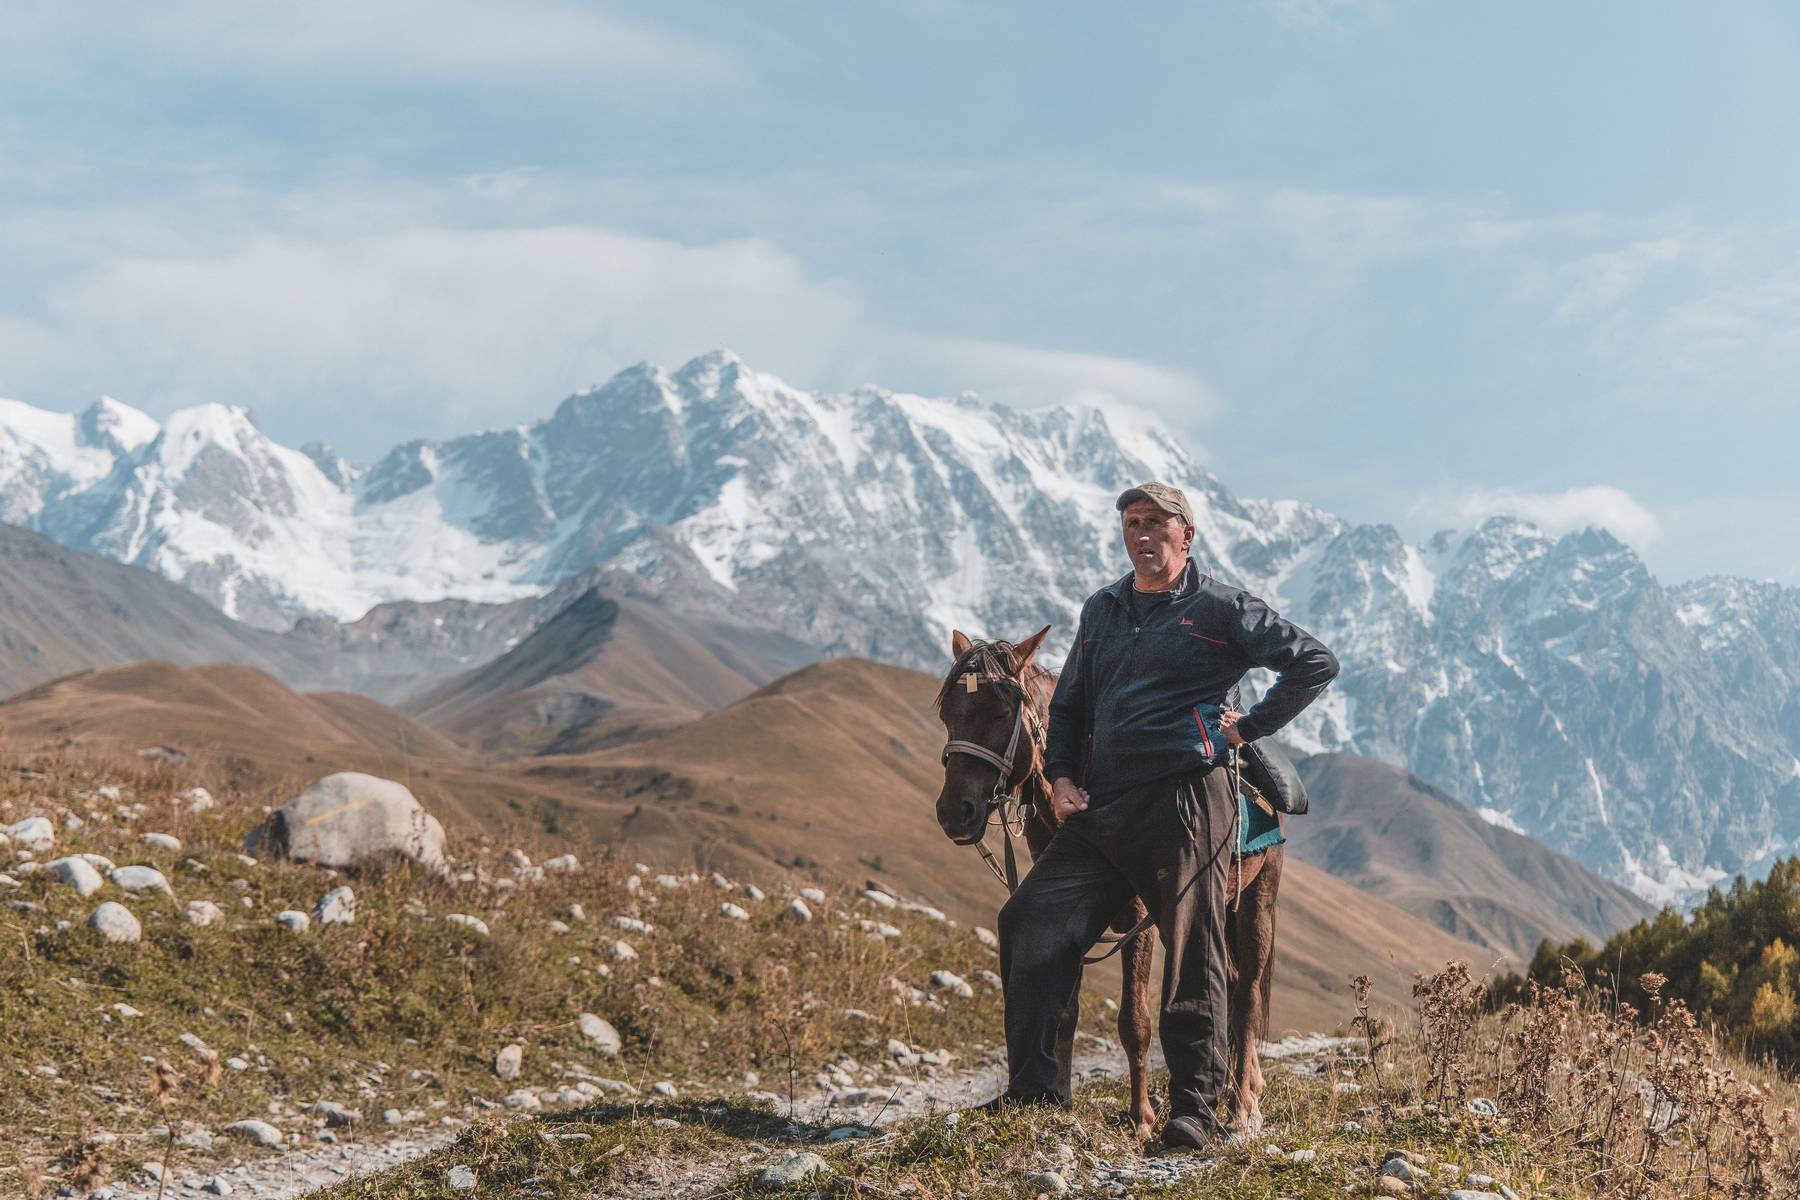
(298, 1172)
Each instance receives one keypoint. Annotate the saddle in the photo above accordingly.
(1268, 773)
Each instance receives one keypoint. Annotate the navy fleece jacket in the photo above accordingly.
(1133, 701)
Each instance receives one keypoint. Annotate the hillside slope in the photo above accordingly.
(63, 611)
(1389, 832)
(244, 729)
(603, 669)
(835, 768)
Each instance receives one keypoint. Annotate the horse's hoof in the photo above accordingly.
(1143, 1131)
(1243, 1129)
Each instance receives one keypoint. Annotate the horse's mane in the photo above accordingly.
(1007, 651)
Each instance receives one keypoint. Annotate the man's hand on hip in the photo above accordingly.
(1066, 799)
(1228, 722)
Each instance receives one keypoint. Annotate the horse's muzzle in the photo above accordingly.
(967, 825)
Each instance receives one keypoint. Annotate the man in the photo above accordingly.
(1143, 803)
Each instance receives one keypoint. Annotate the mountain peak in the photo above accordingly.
(111, 425)
(706, 374)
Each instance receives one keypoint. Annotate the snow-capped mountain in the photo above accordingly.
(1552, 682)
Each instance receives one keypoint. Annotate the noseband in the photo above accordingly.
(984, 667)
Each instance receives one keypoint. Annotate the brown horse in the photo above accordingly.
(994, 704)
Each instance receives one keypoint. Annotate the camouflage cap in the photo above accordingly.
(1167, 498)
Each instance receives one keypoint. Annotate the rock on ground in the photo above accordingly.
(77, 873)
(116, 923)
(335, 1114)
(600, 1031)
(336, 907)
(508, 1061)
(203, 912)
(141, 879)
(33, 833)
(260, 1132)
(347, 818)
(293, 920)
(950, 981)
(794, 1167)
(472, 924)
(797, 910)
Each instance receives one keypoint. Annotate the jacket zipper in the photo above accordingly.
(1205, 741)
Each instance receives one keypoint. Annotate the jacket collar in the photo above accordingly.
(1190, 580)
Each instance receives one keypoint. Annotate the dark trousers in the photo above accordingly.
(1150, 840)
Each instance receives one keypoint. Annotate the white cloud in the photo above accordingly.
(431, 331)
(1597, 282)
(1742, 321)
(368, 340)
(530, 43)
(1030, 377)
(1558, 512)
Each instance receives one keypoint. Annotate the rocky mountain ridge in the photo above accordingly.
(1652, 731)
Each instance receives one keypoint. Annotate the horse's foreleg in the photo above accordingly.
(1253, 950)
(1134, 1023)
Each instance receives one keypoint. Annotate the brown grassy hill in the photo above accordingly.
(64, 611)
(834, 769)
(245, 729)
(1389, 832)
(401, 650)
(604, 669)
(828, 773)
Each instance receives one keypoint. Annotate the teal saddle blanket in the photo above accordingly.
(1258, 829)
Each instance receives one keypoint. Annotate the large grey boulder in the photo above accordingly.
(348, 818)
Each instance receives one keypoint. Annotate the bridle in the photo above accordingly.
(982, 666)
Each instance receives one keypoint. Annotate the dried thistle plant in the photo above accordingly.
(1449, 1005)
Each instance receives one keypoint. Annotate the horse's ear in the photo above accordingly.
(959, 643)
(1025, 649)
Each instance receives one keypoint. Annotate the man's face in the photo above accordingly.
(1157, 541)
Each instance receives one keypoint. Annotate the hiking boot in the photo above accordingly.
(1189, 1133)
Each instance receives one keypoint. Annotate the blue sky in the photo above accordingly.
(1413, 262)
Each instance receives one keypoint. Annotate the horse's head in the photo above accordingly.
(985, 706)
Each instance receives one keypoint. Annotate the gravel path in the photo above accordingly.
(297, 1172)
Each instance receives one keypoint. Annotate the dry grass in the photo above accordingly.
(1565, 1096)
(401, 1009)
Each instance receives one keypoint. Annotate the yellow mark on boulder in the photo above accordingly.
(340, 810)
